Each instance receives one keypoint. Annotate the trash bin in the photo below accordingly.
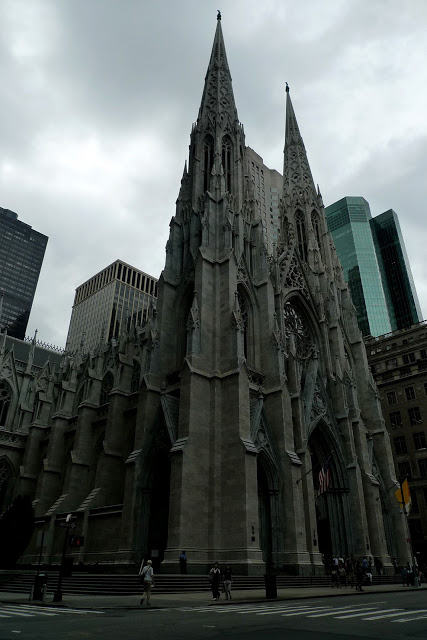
(40, 585)
(270, 586)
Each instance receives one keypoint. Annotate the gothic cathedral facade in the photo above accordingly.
(205, 429)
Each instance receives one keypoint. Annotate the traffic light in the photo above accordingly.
(77, 541)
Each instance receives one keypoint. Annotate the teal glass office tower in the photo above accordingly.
(349, 223)
(399, 288)
(375, 264)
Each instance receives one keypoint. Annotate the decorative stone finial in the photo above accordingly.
(218, 17)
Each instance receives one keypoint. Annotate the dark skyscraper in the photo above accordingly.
(21, 255)
(399, 288)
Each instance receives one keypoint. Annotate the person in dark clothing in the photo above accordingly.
(215, 579)
(359, 577)
(227, 579)
(183, 562)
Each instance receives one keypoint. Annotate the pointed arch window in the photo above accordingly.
(316, 227)
(226, 162)
(6, 478)
(107, 385)
(208, 159)
(5, 400)
(136, 374)
(301, 235)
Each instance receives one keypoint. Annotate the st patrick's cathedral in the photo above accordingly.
(205, 429)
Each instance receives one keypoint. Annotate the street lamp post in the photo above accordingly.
(57, 596)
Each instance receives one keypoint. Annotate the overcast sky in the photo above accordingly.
(98, 97)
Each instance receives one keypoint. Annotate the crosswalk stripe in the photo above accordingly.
(410, 620)
(26, 609)
(394, 615)
(299, 613)
(343, 609)
(358, 615)
(290, 610)
(278, 609)
(13, 612)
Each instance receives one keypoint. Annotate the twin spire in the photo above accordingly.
(218, 103)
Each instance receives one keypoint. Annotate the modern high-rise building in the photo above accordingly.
(376, 266)
(113, 300)
(22, 251)
(349, 223)
(399, 288)
(267, 186)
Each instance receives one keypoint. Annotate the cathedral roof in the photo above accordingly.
(218, 103)
(296, 170)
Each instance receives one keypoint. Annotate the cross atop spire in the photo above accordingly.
(217, 106)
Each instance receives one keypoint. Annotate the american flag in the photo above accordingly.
(324, 476)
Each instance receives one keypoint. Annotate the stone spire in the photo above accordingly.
(297, 178)
(218, 108)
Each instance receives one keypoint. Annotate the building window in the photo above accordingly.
(400, 445)
(425, 388)
(404, 470)
(420, 440)
(405, 371)
(423, 354)
(208, 157)
(392, 363)
(408, 358)
(136, 373)
(396, 420)
(391, 397)
(422, 465)
(410, 393)
(107, 385)
(5, 400)
(226, 162)
(301, 235)
(414, 499)
(414, 416)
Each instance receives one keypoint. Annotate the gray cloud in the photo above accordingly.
(98, 99)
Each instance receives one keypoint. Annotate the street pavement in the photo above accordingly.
(175, 600)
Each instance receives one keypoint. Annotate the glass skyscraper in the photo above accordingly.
(401, 296)
(22, 251)
(109, 303)
(349, 223)
(375, 264)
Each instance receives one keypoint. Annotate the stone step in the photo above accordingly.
(113, 584)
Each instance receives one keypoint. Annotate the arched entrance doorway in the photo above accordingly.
(332, 505)
(158, 494)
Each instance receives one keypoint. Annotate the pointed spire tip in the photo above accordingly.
(287, 88)
(218, 16)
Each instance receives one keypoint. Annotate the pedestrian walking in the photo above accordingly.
(359, 577)
(227, 579)
(148, 581)
(183, 562)
(215, 579)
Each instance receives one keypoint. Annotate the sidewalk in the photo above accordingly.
(173, 600)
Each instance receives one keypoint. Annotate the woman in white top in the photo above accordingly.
(148, 580)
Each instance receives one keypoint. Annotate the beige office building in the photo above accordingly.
(110, 302)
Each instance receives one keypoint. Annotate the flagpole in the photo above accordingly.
(313, 468)
(414, 566)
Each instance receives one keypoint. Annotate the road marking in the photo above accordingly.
(393, 615)
(343, 609)
(406, 620)
(299, 613)
(358, 615)
(13, 612)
